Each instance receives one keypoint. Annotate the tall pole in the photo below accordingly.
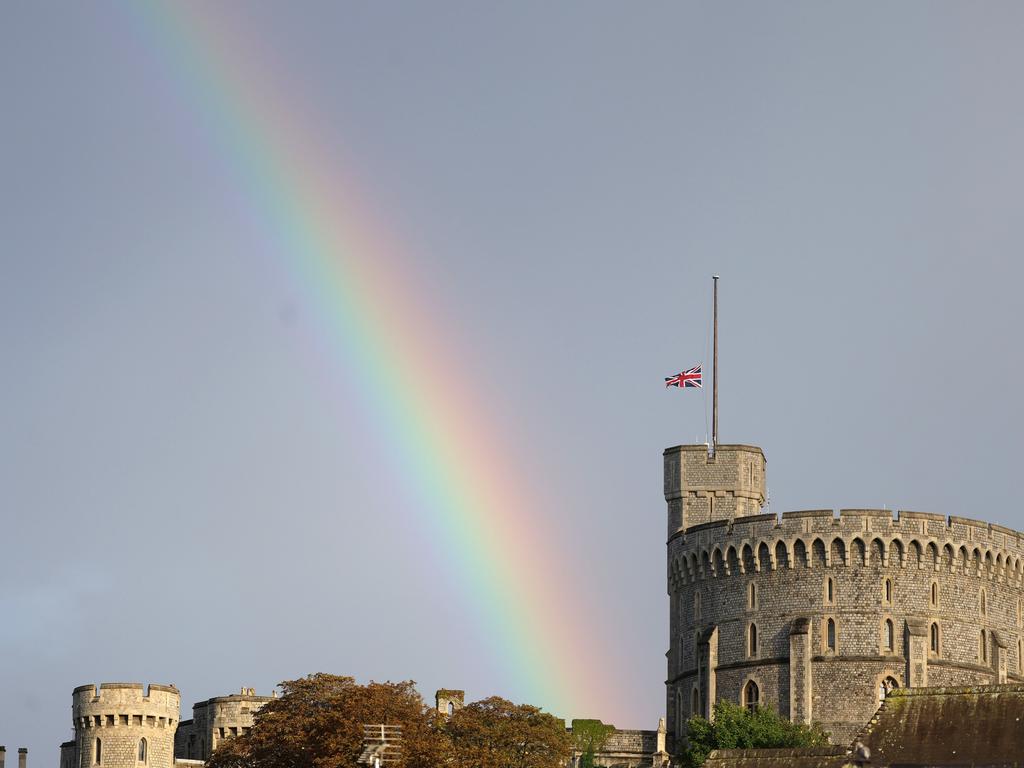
(714, 372)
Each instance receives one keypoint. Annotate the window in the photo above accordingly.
(888, 632)
(142, 750)
(99, 751)
(984, 603)
(983, 650)
(830, 591)
(1020, 655)
(751, 695)
(935, 594)
(752, 596)
(696, 606)
(451, 708)
(885, 687)
(1020, 611)
(191, 746)
(752, 641)
(887, 592)
(935, 639)
(695, 702)
(830, 636)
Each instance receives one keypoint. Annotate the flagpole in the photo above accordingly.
(714, 372)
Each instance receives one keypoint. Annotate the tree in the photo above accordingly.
(318, 723)
(589, 737)
(736, 727)
(495, 733)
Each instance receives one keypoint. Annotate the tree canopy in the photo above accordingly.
(318, 723)
(736, 727)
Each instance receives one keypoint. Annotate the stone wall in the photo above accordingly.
(924, 573)
(120, 725)
(214, 720)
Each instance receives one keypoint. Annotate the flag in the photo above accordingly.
(690, 378)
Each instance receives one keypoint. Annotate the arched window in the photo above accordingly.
(695, 702)
(99, 751)
(696, 606)
(887, 592)
(983, 651)
(830, 636)
(935, 638)
(451, 708)
(752, 596)
(142, 750)
(752, 641)
(935, 594)
(888, 632)
(885, 687)
(830, 591)
(751, 695)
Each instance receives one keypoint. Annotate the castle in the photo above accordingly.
(819, 616)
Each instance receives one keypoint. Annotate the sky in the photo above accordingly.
(206, 473)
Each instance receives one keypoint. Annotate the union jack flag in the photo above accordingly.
(690, 378)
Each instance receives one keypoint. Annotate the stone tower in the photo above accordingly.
(702, 489)
(124, 725)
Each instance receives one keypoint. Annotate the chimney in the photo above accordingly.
(3, 755)
(22, 757)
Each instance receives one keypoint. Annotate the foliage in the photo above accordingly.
(318, 723)
(736, 727)
(589, 737)
(495, 733)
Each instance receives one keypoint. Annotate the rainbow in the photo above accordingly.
(349, 273)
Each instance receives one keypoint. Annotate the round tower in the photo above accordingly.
(819, 615)
(125, 725)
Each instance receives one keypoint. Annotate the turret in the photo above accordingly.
(703, 488)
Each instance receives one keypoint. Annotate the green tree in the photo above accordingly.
(495, 733)
(318, 723)
(589, 737)
(736, 727)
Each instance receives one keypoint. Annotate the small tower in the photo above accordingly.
(448, 700)
(704, 488)
(125, 725)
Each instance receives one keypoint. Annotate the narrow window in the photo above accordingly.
(142, 750)
(696, 606)
(695, 703)
(888, 591)
(984, 646)
(752, 596)
(984, 603)
(751, 695)
(99, 751)
(752, 641)
(935, 593)
(935, 639)
(1020, 655)
(888, 633)
(830, 636)
(830, 592)
(451, 708)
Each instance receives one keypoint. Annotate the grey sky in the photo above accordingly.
(185, 491)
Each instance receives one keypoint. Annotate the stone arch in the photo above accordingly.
(732, 560)
(878, 552)
(896, 550)
(782, 555)
(949, 557)
(989, 565)
(694, 566)
(932, 555)
(976, 561)
(818, 555)
(719, 563)
(962, 559)
(800, 553)
(749, 563)
(764, 558)
(915, 553)
(858, 552)
(705, 564)
(837, 551)
(999, 572)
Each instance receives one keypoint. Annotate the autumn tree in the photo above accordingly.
(495, 733)
(318, 723)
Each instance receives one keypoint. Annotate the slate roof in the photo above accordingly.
(978, 726)
(808, 757)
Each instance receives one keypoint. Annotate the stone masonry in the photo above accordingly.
(817, 615)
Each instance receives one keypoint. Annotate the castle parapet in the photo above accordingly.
(703, 488)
